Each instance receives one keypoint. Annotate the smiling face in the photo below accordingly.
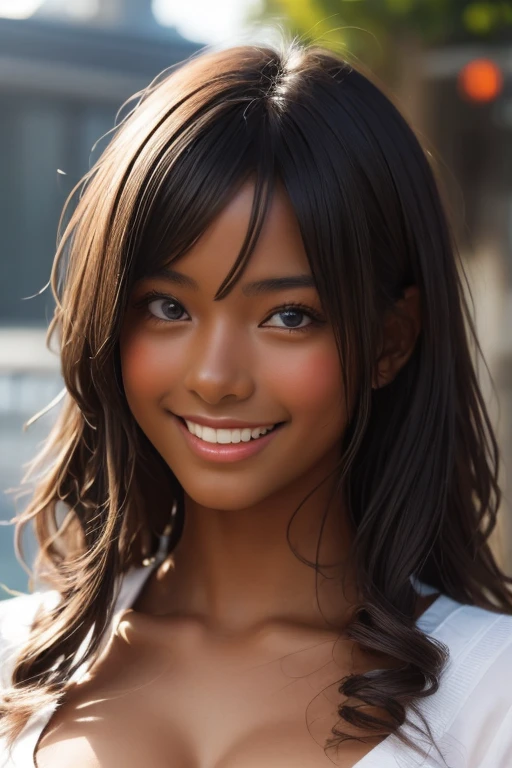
(244, 357)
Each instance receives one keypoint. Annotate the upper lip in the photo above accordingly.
(225, 423)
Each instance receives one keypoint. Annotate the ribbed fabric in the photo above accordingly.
(470, 716)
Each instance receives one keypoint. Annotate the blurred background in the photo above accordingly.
(67, 67)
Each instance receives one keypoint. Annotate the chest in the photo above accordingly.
(189, 704)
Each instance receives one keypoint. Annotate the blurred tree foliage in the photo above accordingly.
(370, 29)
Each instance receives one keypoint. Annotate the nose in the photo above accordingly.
(219, 365)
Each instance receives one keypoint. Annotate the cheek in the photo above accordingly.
(311, 382)
(144, 365)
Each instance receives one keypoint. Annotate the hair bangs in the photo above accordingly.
(187, 187)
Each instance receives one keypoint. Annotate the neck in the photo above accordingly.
(236, 570)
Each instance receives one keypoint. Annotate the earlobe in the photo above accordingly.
(381, 376)
(401, 330)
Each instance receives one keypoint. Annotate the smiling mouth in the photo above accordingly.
(225, 452)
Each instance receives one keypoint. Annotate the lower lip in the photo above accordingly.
(222, 451)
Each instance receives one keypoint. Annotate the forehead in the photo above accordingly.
(279, 250)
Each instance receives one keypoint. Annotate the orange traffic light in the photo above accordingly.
(480, 80)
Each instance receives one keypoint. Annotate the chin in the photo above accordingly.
(223, 498)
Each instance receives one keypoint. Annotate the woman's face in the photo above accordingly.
(241, 358)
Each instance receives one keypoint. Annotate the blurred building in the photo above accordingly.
(61, 85)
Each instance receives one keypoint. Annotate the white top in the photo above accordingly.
(470, 715)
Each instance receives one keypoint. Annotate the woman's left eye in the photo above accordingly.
(292, 311)
(165, 309)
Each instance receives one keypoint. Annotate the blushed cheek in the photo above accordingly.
(313, 384)
(143, 365)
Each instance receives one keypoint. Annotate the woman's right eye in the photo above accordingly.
(165, 309)
(160, 308)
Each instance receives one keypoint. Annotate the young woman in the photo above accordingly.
(264, 510)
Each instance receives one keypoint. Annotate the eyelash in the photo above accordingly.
(304, 309)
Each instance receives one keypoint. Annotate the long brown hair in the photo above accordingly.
(420, 459)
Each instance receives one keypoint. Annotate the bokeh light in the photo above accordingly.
(480, 80)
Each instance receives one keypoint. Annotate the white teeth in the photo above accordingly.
(226, 436)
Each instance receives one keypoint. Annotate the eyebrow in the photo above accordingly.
(257, 287)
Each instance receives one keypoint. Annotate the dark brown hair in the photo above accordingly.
(420, 459)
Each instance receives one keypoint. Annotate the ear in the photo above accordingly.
(401, 329)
